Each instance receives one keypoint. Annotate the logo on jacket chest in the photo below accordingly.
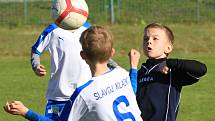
(146, 79)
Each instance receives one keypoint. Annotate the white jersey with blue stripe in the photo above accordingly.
(67, 66)
(108, 97)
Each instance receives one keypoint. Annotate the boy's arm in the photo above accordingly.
(133, 78)
(18, 108)
(35, 60)
(33, 116)
(134, 57)
(39, 46)
(186, 72)
(36, 66)
(75, 108)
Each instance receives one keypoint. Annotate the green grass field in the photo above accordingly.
(193, 41)
(38, 12)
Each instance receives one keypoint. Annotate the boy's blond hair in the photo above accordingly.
(97, 44)
(167, 30)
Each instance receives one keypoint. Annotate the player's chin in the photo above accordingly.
(150, 56)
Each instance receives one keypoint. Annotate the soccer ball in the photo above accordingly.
(69, 14)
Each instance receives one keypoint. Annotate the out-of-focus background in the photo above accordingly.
(192, 21)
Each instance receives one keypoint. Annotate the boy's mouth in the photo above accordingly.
(149, 48)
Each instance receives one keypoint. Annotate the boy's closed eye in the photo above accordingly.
(155, 38)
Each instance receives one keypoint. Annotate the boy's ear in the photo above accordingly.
(112, 52)
(168, 48)
(83, 56)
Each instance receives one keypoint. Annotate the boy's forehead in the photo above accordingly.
(155, 31)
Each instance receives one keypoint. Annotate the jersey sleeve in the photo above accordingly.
(43, 40)
(33, 116)
(35, 60)
(79, 109)
(74, 110)
(133, 78)
(186, 72)
(76, 107)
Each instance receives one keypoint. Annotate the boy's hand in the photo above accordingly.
(40, 70)
(16, 108)
(134, 57)
(164, 70)
(162, 67)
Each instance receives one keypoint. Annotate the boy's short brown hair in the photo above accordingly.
(97, 44)
(167, 30)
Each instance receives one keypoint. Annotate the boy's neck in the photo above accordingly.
(99, 68)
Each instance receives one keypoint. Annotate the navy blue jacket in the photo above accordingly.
(158, 94)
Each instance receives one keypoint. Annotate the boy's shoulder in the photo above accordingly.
(87, 25)
(101, 80)
(118, 71)
(113, 73)
(51, 27)
(83, 28)
(103, 83)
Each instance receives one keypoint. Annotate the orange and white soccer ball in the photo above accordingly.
(69, 14)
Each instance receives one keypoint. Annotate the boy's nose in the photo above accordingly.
(149, 42)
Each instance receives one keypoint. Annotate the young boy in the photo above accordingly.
(108, 96)
(161, 79)
(67, 66)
